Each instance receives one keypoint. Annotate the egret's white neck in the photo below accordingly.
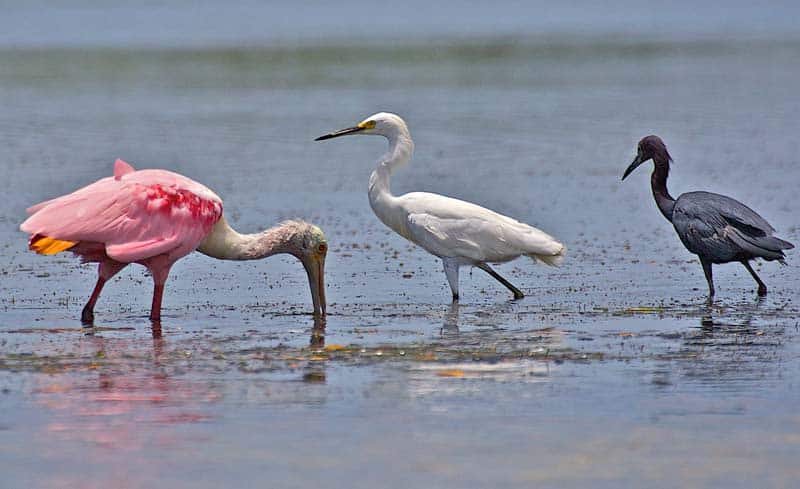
(225, 243)
(383, 203)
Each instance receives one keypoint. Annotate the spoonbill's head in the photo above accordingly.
(307, 242)
(381, 124)
(650, 148)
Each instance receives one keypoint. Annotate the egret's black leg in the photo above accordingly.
(762, 289)
(486, 268)
(707, 270)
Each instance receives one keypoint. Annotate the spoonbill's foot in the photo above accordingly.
(87, 317)
(156, 328)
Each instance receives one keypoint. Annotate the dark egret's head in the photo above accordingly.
(381, 124)
(650, 148)
(307, 242)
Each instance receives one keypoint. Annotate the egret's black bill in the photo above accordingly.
(636, 162)
(341, 132)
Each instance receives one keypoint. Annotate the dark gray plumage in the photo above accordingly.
(716, 228)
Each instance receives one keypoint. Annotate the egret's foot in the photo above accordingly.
(87, 317)
(518, 295)
(762, 290)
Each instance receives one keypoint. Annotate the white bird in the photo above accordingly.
(458, 232)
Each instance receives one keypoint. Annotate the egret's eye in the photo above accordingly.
(367, 125)
(322, 248)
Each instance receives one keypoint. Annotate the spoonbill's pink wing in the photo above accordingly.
(135, 214)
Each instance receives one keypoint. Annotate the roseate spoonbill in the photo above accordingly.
(458, 232)
(714, 227)
(154, 218)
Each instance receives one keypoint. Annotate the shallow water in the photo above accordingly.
(612, 372)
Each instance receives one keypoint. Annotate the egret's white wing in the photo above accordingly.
(443, 237)
(450, 227)
(450, 208)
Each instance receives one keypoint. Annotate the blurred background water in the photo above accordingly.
(611, 373)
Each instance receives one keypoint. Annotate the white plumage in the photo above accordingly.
(458, 232)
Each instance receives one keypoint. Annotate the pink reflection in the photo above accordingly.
(128, 403)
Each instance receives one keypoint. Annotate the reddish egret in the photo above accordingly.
(458, 232)
(716, 228)
(154, 218)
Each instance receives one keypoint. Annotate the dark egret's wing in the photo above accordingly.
(721, 229)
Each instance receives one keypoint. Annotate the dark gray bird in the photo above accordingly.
(716, 228)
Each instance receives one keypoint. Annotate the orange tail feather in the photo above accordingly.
(45, 245)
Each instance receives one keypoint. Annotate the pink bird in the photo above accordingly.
(154, 218)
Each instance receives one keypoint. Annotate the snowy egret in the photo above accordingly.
(154, 218)
(458, 232)
(714, 227)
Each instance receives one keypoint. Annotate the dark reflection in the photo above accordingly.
(739, 319)
(734, 343)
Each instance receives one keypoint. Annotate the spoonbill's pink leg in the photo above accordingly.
(155, 310)
(159, 267)
(106, 270)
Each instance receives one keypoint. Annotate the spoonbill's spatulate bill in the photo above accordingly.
(154, 218)
(714, 227)
(458, 232)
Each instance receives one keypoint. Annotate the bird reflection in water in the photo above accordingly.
(737, 344)
(117, 396)
(316, 370)
(130, 389)
(450, 323)
(318, 333)
(90, 329)
(744, 312)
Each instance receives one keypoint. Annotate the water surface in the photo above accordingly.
(612, 372)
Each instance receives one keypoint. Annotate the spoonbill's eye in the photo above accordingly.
(322, 248)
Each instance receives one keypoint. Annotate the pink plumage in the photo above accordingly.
(151, 217)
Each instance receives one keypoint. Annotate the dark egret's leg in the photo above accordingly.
(486, 268)
(709, 278)
(451, 270)
(105, 270)
(762, 288)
